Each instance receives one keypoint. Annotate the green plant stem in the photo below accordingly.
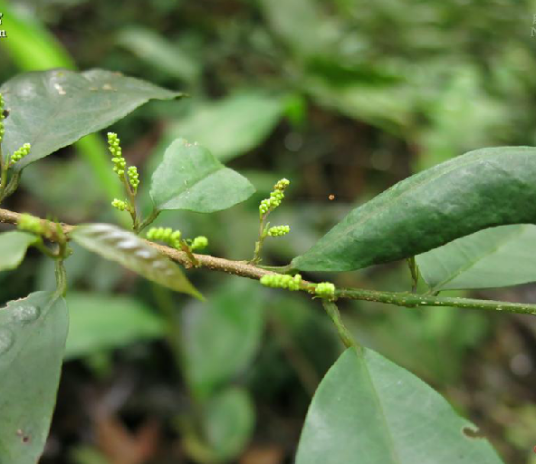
(344, 334)
(414, 273)
(148, 220)
(412, 300)
(61, 278)
(263, 233)
(245, 269)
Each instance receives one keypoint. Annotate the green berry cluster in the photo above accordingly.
(133, 177)
(282, 281)
(2, 117)
(120, 205)
(166, 235)
(199, 243)
(325, 290)
(20, 153)
(30, 223)
(278, 231)
(276, 197)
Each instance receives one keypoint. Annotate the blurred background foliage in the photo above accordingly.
(343, 97)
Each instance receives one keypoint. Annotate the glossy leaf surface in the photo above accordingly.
(191, 178)
(135, 254)
(481, 189)
(13, 246)
(53, 109)
(368, 410)
(32, 342)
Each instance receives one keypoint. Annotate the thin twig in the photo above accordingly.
(244, 269)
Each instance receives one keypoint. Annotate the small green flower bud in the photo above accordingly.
(282, 184)
(199, 243)
(325, 290)
(120, 205)
(278, 231)
(29, 223)
(20, 153)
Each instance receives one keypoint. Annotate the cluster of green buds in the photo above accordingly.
(133, 177)
(114, 145)
(278, 231)
(199, 243)
(166, 235)
(2, 117)
(276, 197)
(282, 281)
(29, 223)
(325, 290)
(20, 153)
(120, 205)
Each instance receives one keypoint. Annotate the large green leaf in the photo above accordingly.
(481, 189)
(222, 335)
(368, 410)
(13, 246)
(135, 254)
(53, 109)
(495, 257)
(191, 178)
(100, 322)
(232, 126)
(32, 342)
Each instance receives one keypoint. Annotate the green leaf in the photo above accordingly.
(32, 341)
(101, 322)
(232, 126)
(191, 178)
(222, 336)
(481, 189)
(159, 53)
(495, 257)
(368, 410)
(135, 254)
(53, 109)
(228, 423)
(13, 247)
